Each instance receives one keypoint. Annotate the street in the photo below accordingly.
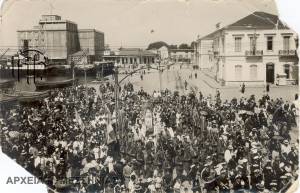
(174, 78)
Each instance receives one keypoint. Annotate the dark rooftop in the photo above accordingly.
(256, 20)
(259, 20)
(134, 52)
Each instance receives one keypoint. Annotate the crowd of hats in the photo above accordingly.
(193, 144)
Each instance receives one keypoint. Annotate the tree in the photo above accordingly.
(172, 47)
(157, 45)
(184, 46)
(193, 44)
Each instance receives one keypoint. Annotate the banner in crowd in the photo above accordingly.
(79, 120)
(148, 119)
(110, 133)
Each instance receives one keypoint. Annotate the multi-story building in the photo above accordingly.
(56, 37)
(257, 49)
(60, 39)
(92, 40)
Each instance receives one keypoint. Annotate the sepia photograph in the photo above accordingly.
(149, 96)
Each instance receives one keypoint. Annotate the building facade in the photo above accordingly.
(56, 37)
(132, 56)
(255, 50)
(93, 41)
(162, 52)
(182, 55)
(60, 39)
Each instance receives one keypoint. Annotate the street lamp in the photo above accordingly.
(158, 60)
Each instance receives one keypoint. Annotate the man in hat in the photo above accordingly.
(285, 147)
(256, 178)
(268, 174)
(238, 183)
(127, 170)
(260, 187)
(187, 157)
(223, 182)
(283, 180)
(209, 177)
(293, 157)
(167, 181)
(149, 163)
(132, 183)
(228, 153)
(273, 186)
(242, 170)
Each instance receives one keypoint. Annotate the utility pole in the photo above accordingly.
(117, 99)
(254, 42)
(160, 82)
(85, 53)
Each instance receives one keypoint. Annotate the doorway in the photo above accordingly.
(270, 73)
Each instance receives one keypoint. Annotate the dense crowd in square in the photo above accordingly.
(75, 141)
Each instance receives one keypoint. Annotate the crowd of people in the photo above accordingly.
(75, 140)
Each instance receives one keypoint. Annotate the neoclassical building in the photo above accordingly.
(255, 50)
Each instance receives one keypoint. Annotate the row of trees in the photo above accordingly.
(159, 44)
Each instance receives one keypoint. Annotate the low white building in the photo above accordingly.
(131, 56)
(256, 50)
(182, 55)
(163, 52)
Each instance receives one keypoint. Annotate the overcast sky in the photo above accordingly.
(129, 22)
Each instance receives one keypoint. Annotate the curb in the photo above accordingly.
(251, 86)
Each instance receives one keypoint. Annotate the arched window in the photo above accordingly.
(287, 70)
(253, 72)
(238, 72)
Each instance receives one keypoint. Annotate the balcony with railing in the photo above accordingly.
(283, 53)
(254, 53)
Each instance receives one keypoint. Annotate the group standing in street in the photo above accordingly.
(163, 142)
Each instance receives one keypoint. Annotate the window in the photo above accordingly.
(286, 42)
(270, 43)
(287, 70)
(223, 45)
(252, 43)
(253, 72)
(238, 72)
(25, 44)
(238, 44)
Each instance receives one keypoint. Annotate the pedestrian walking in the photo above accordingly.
(243, 88)
(185, 84)
(195, 75)
(268, 88)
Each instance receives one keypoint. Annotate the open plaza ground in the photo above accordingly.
(174, 78)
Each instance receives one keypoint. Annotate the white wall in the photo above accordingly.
(239, 58)
(205, 52)
(261, 40)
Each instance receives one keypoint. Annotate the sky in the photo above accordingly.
(129, 23)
